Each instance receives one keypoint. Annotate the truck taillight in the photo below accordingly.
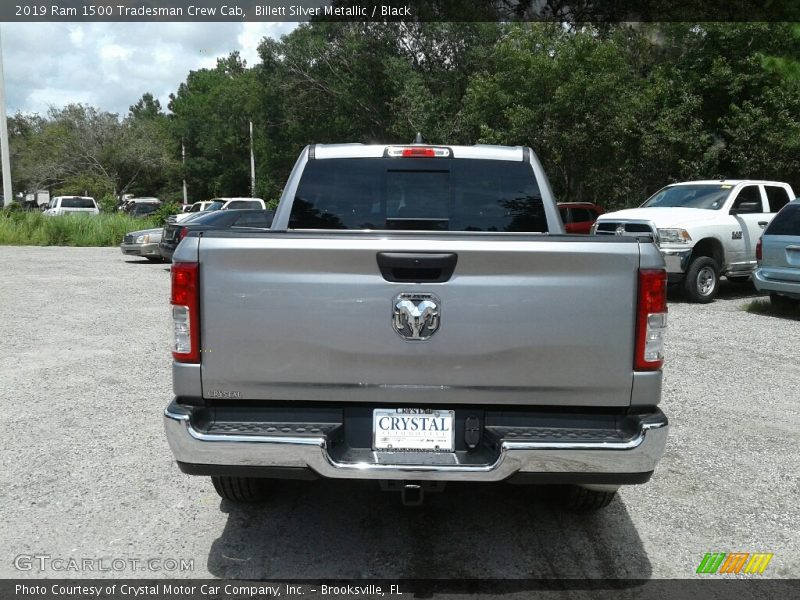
(417, 152)
(651, 319)
(185, 312)
(758, 250)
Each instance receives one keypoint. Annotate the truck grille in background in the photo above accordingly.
(630, 229)
(128, 239)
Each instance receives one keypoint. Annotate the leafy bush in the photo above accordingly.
(14, 207)
(166, 210)
(36, 229)
(108, 203)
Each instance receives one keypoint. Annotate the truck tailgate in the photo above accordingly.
(533, 320)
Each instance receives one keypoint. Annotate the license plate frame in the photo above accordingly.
(414, 430)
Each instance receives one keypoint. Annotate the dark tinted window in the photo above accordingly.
(704, 195)
(748, 200)
(144, 209)
(581, 215)
(786, 222)
(418, 193)
(243, 204)
(262, 219)
(77, 203)
(777, 197)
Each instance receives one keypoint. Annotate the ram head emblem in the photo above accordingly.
(416, 317)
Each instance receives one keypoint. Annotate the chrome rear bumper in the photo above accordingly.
(637, 454)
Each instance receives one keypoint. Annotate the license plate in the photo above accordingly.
(404, 429)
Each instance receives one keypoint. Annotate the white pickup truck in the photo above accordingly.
(704, 229)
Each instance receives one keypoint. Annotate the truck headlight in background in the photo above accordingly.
(674, 236)
(143, 239)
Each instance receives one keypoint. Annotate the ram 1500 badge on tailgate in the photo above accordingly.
(411, 319)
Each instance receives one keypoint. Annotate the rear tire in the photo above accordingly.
(581, 499)
(241, 489)
(701, 283)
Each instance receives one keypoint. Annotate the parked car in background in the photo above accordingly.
(142, 243)
(174, 232)
(237, 204)
(143, 210)
(70, 205)
(38, 199)
(193, 209)
(778, 254)
(704, 229)
(578, 217)
(221, 204)
(141, 207)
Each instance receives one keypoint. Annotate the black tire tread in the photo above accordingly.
(240, 489)
(689, 282)
(584, 500)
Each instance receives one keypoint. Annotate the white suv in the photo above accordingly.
(68, 205)
(704, 229)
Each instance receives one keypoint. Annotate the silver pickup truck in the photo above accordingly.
(414, 316)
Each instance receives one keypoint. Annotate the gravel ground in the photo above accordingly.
(86, 471)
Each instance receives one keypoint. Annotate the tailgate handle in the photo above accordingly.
(410, 267)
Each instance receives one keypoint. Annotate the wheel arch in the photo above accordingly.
(711, 247)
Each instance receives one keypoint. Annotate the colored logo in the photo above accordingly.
(734, 562)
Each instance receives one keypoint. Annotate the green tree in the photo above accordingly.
(149, 130)
(211, 113)
(79, 149)
(572, 96)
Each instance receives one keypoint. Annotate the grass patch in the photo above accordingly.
(764, 306)
(34, 229)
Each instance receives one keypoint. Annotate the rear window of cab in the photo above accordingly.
(77, 203)
(439, 194)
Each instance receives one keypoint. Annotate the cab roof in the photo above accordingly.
(728, 182)
(484, 151)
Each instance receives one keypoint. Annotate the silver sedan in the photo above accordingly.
(142, 243)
